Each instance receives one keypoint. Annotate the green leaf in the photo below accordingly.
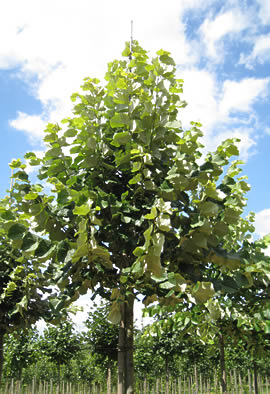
(175, 124)
(221, 229)
(70, 133)
(119, 120)
(209, 209)
(120, 138)
(30, 242)
(166, 285)
(153, 265)
(31, 196)
(16, 231)
(158, 243)
(222, 258)
(203, 291)
(167, 60)
(83, 209)
(114, 315)
(163, 222)
(44, 248)
(126, 52)
(136, 179)
(200, 240)
(152, 214)
(8, 215)
(231, 216)
(80, 252)
(15, 163)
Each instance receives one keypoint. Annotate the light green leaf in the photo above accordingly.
(175, 124)
(80, 252)
(158, 243)
(83, 209)
(114, 315)
(163, 222)
(119, 120)
(167, 285)
(120, 138)
(152, 214)
(31, 196)
(136, 179)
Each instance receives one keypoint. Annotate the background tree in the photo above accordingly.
(102, 336)
(23, 282)
(133, 210)
(20, 352)
(60, 344)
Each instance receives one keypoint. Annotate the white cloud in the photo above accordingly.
(260, 52)
(264, 12)
(246, 146)
(33, 125)
(217, 107)
(57, 44)
(262, 222)
(214, 30)
(240, 96)
(200, 93)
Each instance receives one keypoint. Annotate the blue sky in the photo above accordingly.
(222, 50)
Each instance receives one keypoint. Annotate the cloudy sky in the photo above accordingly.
(222, 50)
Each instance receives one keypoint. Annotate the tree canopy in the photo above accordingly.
(134, 206)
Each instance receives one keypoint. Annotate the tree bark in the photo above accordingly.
(109, 380)
(256, 390)
(223, 378)
(1, 354)
(125, 349)
(167, 375)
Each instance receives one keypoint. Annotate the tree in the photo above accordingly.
(24, 295)
(20, 351)
(132, 210)
(102, 336)
(60, 344)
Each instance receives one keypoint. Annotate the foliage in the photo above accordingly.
(60, 344)
(133, 210)
(22, 280)
(20, 351)
(101, 335)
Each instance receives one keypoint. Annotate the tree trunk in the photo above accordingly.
(223, 378)
(167, 375)
(125, 349)
(109, 380)
(256, 390)
(1, 354)
(58, 372)
(196, 378)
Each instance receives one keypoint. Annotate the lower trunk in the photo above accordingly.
(167, 375)
(223, 377)
(58, 371)
(256, 391)
(1, 355)
(125, 349)
(196, 378)
(109, 380)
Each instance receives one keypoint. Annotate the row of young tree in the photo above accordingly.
(126, 204)
(62, 354)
